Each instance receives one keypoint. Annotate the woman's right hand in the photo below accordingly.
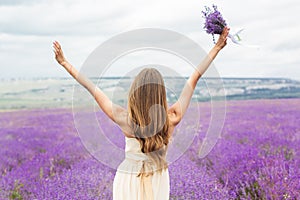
(222, 41)
(59, 55)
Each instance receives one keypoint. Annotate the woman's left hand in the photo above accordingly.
(59, 56)
(222, 41)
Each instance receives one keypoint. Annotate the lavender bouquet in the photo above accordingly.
(214, 24)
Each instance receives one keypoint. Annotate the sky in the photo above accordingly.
(28, 28)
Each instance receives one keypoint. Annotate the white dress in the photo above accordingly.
(127, 186)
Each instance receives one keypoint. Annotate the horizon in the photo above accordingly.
(130, 77)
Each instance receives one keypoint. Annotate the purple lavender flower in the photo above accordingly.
(257, 157)
(214, 22)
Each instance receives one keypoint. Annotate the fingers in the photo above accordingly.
(57, 48)
(58, 53)
(57, 44)
(225, 32)
(222, 41)
(55, 52)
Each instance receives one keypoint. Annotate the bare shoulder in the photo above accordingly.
(123, 121)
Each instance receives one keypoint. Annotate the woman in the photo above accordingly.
(147, 124)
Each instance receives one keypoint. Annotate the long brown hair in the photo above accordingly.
(147, 105)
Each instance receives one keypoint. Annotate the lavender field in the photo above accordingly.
(257, 157)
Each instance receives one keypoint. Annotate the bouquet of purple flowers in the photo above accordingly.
(214, 24)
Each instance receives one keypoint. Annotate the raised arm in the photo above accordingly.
(178, 109)
(113, 111)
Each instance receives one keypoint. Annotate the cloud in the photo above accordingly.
(55, 18)
(29, 27)
(19, 2)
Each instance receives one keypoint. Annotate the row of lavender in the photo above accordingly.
(257, 157)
